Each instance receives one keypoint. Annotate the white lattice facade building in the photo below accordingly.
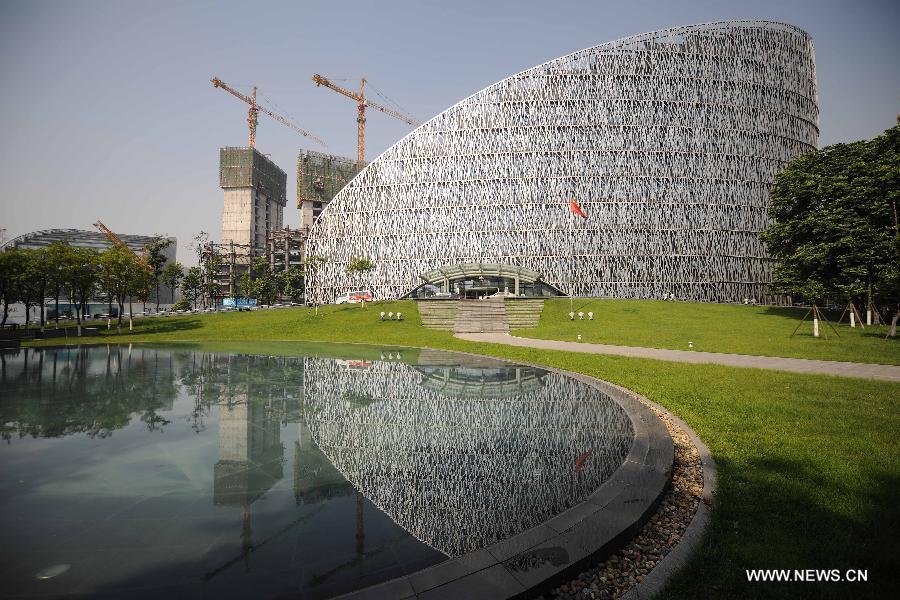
(669, 141)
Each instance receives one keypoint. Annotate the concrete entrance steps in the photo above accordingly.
(438, 314)
(523, 313)
(481, 316)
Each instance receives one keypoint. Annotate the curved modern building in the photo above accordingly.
(669, 141)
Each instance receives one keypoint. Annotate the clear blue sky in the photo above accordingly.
(107, 111)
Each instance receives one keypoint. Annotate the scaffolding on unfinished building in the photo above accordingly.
(319, 178)
(231, 261)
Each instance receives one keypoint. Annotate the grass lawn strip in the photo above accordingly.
(729, 328)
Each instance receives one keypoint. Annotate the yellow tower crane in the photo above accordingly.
(255, 109)
(361, 104)
(117, 241)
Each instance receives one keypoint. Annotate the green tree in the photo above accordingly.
(834, 223)
(118, 269)
(141, 286)
(358, 267)
(886, 287)
(33, 281)
(171, 276)
(192, 285)
(58, 256)
(157, 260)
(259, 282)
(212, 265)
(11, 265)
(82, 273)
(290, 282)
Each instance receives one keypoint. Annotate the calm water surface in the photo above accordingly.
(159, 471)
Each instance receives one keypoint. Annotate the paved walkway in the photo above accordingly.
(795, 365)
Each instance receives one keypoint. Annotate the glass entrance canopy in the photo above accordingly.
(474, 280)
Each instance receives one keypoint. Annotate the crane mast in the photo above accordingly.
(361, 104)
(361, 124)
(255, 109)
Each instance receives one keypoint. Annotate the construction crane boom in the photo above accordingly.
(361, 104)
(255, 109)
(117, 241)
(361, 98)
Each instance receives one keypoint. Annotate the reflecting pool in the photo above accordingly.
(240, 472)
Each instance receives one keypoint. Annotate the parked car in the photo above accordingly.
(355, 296)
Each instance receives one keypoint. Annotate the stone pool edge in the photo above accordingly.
(690, 540)
(536, 560)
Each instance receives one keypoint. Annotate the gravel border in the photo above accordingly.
(693, 535)
(642, 568)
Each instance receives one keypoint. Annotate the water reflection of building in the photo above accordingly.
(480, 382)
(315, 478)
(457, 455)
(456, 458)
(238, 403)
(250, 452)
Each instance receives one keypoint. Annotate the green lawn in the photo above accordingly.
(338, 323)
(739, 329)
(809, 475)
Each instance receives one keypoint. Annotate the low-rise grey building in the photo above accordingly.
(82, 238)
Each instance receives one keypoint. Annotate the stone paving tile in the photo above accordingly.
(533, 567)
(571, 517)
(451, 569)
(495, 582)
(509, 547)
(396, 589)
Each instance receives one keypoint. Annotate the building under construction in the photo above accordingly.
(253, 210)
(255, 194)
(255, 197)
(283, 249)
(319, 177)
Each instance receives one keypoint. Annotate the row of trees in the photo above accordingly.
(266, 286)
(835, 227)
(78, 275)
(259, 280)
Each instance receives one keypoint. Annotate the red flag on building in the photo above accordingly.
(573, 206)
